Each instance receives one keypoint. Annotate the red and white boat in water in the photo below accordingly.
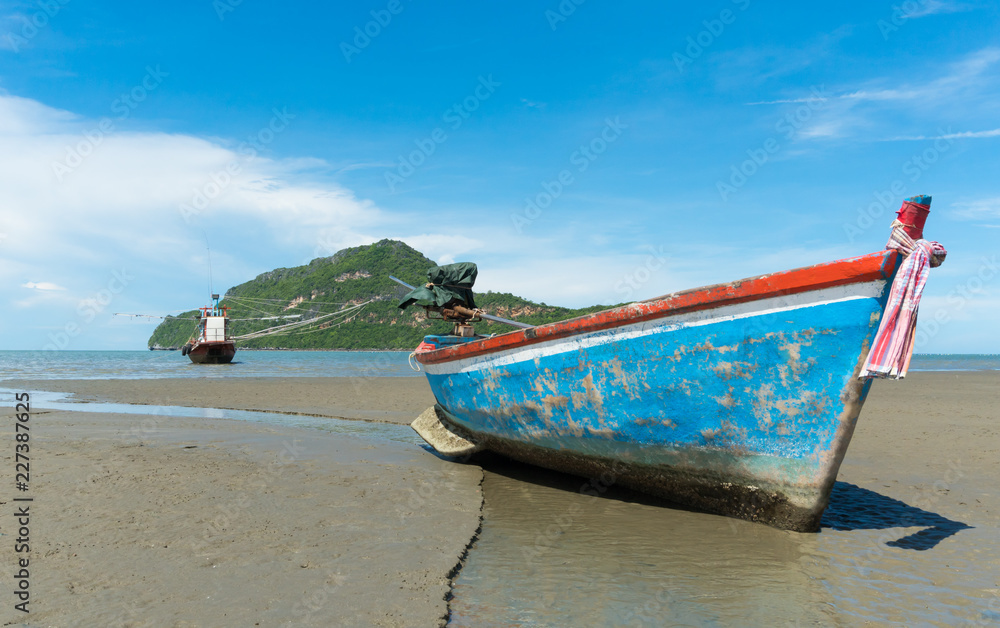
(213, 345)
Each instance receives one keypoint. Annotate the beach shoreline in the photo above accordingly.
(387, 399)
(147, 519)
(249, 349)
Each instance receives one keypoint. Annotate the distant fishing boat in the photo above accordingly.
(738, 399)
(213, 344)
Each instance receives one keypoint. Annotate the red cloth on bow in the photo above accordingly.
(893, 345)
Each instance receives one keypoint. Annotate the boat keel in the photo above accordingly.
(729, 496)
(442, 438)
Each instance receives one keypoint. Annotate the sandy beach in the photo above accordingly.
(166, 521)
(145, 520)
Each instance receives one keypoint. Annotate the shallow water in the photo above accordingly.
(955, 362)
(549, 555)
(248, 363)
(42, 400)
(171, 364)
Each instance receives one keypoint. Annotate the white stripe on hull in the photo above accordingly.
(668, 323)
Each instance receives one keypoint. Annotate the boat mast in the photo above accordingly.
(211, 289)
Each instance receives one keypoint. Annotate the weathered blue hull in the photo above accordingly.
(741, 405)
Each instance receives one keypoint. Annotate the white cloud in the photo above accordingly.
(981, 209)
(934, 7)
(442, 248)
(788, 101)
(122, 209)
(142, 193)
(882, 94)
(646, 273)
(829, 128)
(963, 74)
(42, 285)
(842, 113)
(947, 136)
(759, 64)
(23, 116)
(366, 165)
(967, 73)
(572, 281)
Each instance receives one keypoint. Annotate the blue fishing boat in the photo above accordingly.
(738, 399)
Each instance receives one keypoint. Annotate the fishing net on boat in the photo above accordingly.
(446, 285)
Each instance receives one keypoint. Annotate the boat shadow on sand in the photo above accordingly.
(851, 507)
(855, 508)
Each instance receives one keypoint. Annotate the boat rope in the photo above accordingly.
(414, 365)
(142, 315)
(299, 324)
(306, 307)
(266, 318)
(251, 307)
(321, 327)
(261, 299)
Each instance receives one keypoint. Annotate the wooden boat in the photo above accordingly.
(738, 399)
(212, 345)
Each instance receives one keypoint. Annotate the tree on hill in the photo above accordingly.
(329, 285)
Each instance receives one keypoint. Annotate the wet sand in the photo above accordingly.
(912, 535)
(166, 521)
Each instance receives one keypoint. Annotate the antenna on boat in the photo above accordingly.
(209, 249)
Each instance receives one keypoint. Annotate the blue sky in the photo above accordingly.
(580, 151)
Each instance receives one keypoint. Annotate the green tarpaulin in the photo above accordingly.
(452, 285)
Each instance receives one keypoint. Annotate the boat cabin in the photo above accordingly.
(214, 328)
(214, 325)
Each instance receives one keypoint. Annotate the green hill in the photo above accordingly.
(350, 277)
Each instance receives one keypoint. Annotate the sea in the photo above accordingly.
(549, 553)
(249, 363)
(170, 364)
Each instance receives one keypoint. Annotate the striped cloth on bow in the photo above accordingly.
(893, 345)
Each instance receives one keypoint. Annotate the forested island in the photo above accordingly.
(345, 280)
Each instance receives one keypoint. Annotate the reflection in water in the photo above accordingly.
(553, 553)
(45, 400)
